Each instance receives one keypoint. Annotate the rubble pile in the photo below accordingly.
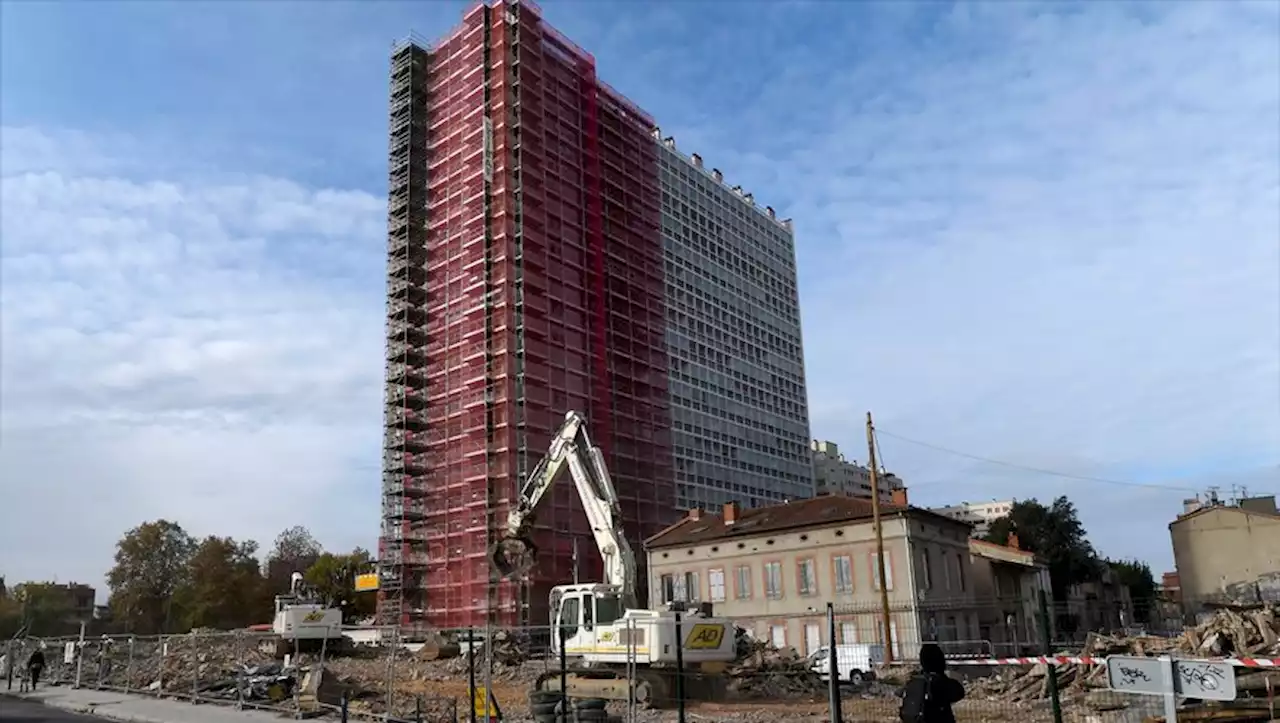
(763, 671)
(1240, 630)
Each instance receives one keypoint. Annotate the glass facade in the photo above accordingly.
(740, 416)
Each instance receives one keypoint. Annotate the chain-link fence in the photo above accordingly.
(378, 674)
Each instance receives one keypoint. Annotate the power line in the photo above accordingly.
(1037, 470)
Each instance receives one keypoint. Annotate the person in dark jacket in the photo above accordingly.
(35, 666)
(930, 693)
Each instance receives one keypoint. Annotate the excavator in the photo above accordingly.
(618, 650)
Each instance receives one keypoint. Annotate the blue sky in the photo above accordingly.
(1043, 234)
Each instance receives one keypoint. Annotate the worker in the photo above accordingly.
(35, 665)
(929, 695)
(104, 659)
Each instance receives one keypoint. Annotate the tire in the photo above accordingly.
(592, 715)
(590, 704)
(544, 708)
(856, 677)
(537, 697)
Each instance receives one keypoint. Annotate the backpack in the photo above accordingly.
(917, 700)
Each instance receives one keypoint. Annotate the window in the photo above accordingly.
(812, 638)
(668, 592)
(693, 590)
(926, 568)
(773, 580)
(848, 632)
(715, 580)
(806, 577)
(843, 570)
(888, 571)
(742, 586)
(778, 636)
(959, 569)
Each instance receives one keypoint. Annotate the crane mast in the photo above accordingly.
(571, 449)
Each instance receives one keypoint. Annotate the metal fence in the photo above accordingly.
(375, 674)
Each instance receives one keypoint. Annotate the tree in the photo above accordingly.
(151, 568)
(41, 607)
(225, 588)
(1136, 575)
(295, 550)
(10, 616)
(333, 577)
(1055, 535)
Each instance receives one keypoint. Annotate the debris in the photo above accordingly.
(1253, 631)
(764, 671)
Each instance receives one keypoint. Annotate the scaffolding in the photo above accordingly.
(524, 245)
(405, 468)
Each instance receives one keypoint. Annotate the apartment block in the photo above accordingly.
(835, 475)
(525, 265)
(739, 410)
(978, 514)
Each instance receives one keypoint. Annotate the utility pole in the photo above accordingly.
(875, 515)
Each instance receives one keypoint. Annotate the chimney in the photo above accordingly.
(730, 513)
(1013, 541)
(769, 210)
(695, 514)
(697, 160)
(899, 497)
(717, 174)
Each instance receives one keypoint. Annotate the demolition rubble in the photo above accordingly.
(1238, 632)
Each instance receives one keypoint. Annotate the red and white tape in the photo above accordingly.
(1093, 660)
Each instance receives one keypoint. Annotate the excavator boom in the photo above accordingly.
(515, 554)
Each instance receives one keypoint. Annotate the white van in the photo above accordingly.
(855, 662)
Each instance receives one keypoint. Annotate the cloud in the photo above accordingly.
(1041, 235)
(203, 351)
(1051, 238)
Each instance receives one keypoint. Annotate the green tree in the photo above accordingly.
(333, 577)
(295, 550)
(152, 567)
(225, 588)
(1136, 575)
(1055, 535)
(43, 608)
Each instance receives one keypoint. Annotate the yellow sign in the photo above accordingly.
(366, 582)
(705, 636)
(313, 616)
(478, 699)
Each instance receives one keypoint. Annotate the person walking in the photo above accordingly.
(929, 695)
(35, 666)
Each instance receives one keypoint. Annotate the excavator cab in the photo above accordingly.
(581, 608)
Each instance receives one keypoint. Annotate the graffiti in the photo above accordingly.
(1132, 676)
(1201, 676)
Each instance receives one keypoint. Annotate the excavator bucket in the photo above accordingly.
(513, 556)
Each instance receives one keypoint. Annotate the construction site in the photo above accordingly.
(437, 681)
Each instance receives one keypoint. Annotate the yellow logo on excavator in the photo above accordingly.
(705, 636)
(313, 616)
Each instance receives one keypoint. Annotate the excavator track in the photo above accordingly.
(655, 688)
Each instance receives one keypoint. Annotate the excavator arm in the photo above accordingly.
(515, 554)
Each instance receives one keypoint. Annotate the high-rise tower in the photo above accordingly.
(526, 278)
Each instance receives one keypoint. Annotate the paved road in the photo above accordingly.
(13, 710)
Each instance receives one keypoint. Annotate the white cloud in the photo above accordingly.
(203, 351)
(1047, 238)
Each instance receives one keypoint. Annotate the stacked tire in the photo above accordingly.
(548, 706)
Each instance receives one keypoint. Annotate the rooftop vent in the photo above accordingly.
(697, 160)
(715, 172)
(669, 142)
(769, 210)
